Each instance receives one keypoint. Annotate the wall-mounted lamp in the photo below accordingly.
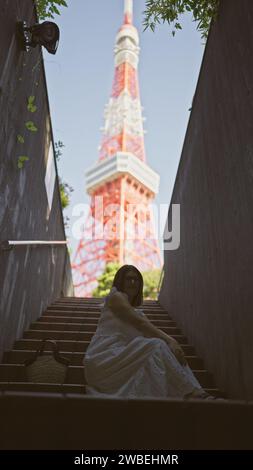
(45, 34)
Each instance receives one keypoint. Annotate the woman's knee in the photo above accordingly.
(157, 342)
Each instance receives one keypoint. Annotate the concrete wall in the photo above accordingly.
(30, 278)
(208, 283)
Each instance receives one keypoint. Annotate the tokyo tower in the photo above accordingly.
(120, 224)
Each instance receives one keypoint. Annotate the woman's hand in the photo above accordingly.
(177, 350)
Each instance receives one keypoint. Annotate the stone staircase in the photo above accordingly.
(72, 323)
(49, 416)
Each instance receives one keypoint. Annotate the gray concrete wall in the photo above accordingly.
(208, 283)
(30, 278)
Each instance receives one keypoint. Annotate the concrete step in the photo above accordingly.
(64, 326)
(97, 307)
(61, 421)
(150, 316)
(93, 318)
(41, 387)
(76, 358)
(98, 299)
(80, 299)
(73, 307)
(12, 373)
(87, 327)
(64, 345)
(74, 346)
(75, 375)
(81, 307)
(86, 318)
(93, 303)
(58, 335)
(156, 308)
(93, 315)
(76, 336)
(17, 373)
(82, 319)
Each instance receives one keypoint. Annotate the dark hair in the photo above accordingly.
(119, 279)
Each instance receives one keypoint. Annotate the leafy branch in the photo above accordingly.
(58, 149)
(169, 11)
(65, 188)
(65, 191)
(49, 8)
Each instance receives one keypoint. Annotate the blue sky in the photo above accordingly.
(80, 76)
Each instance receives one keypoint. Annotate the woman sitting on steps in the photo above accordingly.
(128, 356)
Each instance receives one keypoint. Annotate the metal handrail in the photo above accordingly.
(7, 245)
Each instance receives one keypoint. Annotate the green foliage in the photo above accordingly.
(30, 126)
(31, 108)
(105, 280)
(49, 8)
(65, 191)
(150, 278)
(169, 11)
(21, 161)
(20, 139)
(65, 188)
(64, 196)
(151, 281)
(30, 104)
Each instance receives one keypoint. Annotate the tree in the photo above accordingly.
(65, 191)
(49, 8)
(157, 11)
(105, 280)
(169, 11)
(151, 281)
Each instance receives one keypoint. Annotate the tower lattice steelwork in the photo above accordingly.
(120, 225)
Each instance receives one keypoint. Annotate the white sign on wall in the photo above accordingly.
(50, 176)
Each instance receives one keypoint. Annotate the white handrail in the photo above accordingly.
(9, 244)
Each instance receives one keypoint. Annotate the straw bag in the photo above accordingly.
(45, 368)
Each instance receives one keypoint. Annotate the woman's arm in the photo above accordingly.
(175, 347)
(119, 304)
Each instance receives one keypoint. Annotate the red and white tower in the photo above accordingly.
(120, 224)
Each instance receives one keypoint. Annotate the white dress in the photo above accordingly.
(121, 362)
